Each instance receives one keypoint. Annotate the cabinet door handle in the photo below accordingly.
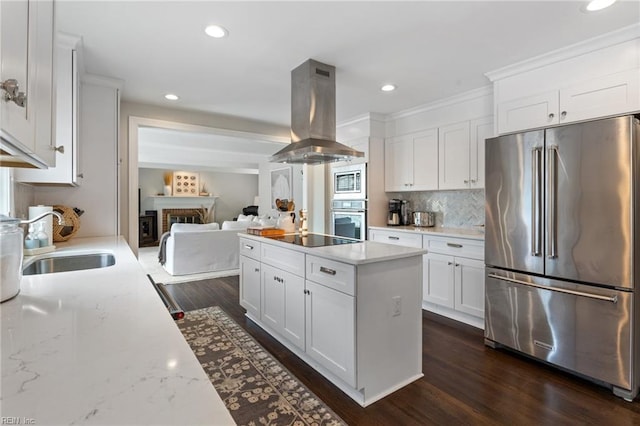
(466, 181)
(59, 149)
(454, 245)
(306, 291)
(327, 270)
(457, 264)
(563, 114)
(248, 247)
(256, 270)
(449, 263)
(551, 116)
(393, 238)
(81, 175)
(12, 92)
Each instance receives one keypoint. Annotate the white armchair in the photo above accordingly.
(193, 249)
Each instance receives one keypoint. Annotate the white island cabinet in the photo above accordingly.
(350, 311)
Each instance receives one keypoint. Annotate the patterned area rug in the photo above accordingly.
(256, 388)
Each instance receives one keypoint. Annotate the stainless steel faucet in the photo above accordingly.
(40, 216)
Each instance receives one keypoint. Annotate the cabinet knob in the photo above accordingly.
(466, 181)
(81, 175)
(457, 264)
(449, 263)
(473, 181)
(12, 92)
(551, 116)
(59, 149)
(256, 270)
(563, 114)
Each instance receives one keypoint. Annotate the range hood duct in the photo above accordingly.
(313, 118)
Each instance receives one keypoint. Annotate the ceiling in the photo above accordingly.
(429, 49)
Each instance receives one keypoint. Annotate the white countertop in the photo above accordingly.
(436, 230)
(99, 347)
(355, 254)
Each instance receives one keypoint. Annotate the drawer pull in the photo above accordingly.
(454, 245)
(327, 270)
(393, 238)
(248, 247)
(278, 279)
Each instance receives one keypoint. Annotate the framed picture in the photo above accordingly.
(186, 184)
(281, 185)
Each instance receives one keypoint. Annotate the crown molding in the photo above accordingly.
(596, 43)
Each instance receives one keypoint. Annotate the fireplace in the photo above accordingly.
(171, 216)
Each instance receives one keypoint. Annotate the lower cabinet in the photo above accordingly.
(330, 321)
(283, 303)
(250, 285)
(454, 282)
(366, 341)
(453, 278)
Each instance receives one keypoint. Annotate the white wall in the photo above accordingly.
(97, 193)
(234, 190)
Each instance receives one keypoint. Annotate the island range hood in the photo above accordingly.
(313, 118)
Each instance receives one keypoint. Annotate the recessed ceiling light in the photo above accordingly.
(599, 4)
(216, 31)
(388, 88)
(171, 97)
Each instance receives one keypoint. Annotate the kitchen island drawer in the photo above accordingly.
(408, 239)
(285, 259)
(463, 247)
(336, 275)
(250, 248)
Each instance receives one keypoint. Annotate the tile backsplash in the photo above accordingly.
(456, 209)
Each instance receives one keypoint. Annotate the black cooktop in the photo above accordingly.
(313, 240)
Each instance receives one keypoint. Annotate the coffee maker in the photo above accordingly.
(398, 212)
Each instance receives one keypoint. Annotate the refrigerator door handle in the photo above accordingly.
(552, 249)
(536, 202)
(612, 299)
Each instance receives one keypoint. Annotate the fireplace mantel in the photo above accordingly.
(169, 202)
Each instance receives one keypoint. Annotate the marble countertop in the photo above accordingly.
(436, 230)
(99, 347)
(355, 254)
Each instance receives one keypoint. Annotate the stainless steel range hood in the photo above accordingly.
(313, 118)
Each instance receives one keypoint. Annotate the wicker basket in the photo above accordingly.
(71, 227)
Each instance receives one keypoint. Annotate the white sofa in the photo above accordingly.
(193, 249)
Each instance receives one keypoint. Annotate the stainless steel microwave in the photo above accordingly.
(350, 182)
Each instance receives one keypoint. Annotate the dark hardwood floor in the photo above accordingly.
(464, 383)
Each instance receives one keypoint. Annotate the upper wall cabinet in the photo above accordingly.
(461, 154)
(576, 84)
(411, 162)
(26, 65)
(67, 169)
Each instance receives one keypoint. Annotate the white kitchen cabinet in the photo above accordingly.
(365, 339)
(461, 153)
(407, 239)
(597, 97)
(438, 282)
(250, 286)
(594, 79)
(453, 278)
(26, 56)
(411, 162)
(469, 286)
(453, 155)
(330, 330)
(283, 304)
(67, 168)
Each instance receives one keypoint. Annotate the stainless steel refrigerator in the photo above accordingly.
(561, 248)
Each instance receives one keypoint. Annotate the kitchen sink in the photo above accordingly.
(65, 263)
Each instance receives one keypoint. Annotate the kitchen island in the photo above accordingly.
(98, 347)
(350, 309)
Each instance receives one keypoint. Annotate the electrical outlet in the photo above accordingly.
(397, 305)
